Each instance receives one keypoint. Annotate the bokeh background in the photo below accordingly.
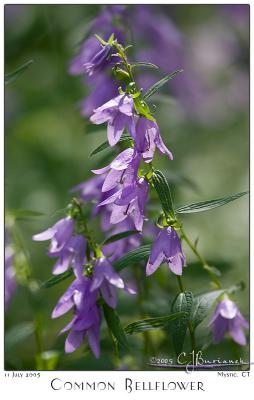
(204, 119)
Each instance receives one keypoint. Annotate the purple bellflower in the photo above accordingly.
(9, 273)
(59, 234)
(98, 61)
(87, 318)
(90, 189)
(73, 254)
(129, 200)
(118, 113)
(107, 280)
(227, 318)
(147, 139)
(166, 248)
(123, 168)
(82, 296)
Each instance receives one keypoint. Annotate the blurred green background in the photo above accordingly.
(47, 146)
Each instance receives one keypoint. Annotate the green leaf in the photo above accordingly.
(178, 328)
(23, 214)
(55, 279)
(208, 204)
(119, 236)
(202, 305)
(150, 324)
(14, 75)
(153, 89)
(144, 64)
(101, 40)
(133, 257)
(162, 188)
(142, 108)
(114, 325)
(105, 145)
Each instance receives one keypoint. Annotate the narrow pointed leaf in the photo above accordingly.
(119, 236)
(114, 325)
(162, 188)
(55, 279)
(23, 214)
(150, 324)
(144, 64)
(153, 89)
(178, 328)
(105, 145)
(133, 257)
(208, 204)
(15, 74)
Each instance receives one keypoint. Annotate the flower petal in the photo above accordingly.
(73, 341)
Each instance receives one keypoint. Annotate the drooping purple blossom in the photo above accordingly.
(107, 280)
(166, 248)
(123, 168)
(109, 21)
(98, 61)
(87, 316)
(147, 139)
(129, 200)
(82, 296)
(9, 272)
(227, 318)
(59, 234)
(90, 189)
(118, 113)
(73, 254)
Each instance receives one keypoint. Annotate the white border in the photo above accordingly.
(31, 387)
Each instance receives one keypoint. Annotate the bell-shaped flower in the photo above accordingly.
(107, 280)
(74, 296)
(87, 316)
(98, 61)
(166, 248)
(130, 200)
(84, 326)
(73, 254)
(228, 319)
(147, 139)
(90, 189)
(9, 270)
(59, 234)
(124, 166)
(118, 113)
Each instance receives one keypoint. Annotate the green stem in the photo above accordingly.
(202, 260)
(86, 231)
(180, 283)
(125, 61)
